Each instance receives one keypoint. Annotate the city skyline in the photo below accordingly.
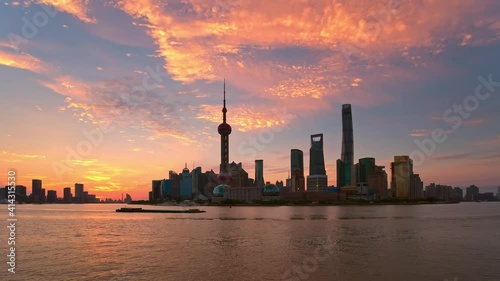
(281, 89)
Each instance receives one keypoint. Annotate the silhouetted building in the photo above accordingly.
(239, 177)
(67, 195)
(498, 193)
(259, 173)
(224, 130)
(472, 193)
(317, 183)
(417, 187)
(347, 135)
(377, 180)
(21, 193)
(186, 184)
(199, 182)
(316, 156)
(36, 190)
(366, 166)
(79, 192)
(52, 196)
(156, 189)
(4, 191)
(166, 188)
(175, 181)
(317, 179)
(458, 194)
(297, 181)
(402, 176)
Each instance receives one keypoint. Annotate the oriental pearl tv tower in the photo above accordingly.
(224, 130)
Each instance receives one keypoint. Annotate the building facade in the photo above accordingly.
(402, 176)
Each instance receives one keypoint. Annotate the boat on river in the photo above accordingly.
(141, 210)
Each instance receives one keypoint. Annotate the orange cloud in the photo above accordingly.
(244, 118)
(77, 8)
(22, 61)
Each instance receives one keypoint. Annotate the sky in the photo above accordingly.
(114, 94)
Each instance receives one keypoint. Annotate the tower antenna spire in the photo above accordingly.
(224, 110)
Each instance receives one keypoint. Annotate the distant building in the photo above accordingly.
(36, 190)
(347, 135)
(377, 180)
(430, 191)
(52, 196)
(457, 194)
(297, 181)
(79, 192)
(67, 195)
(186, 184)
(316, 156)
(317, 179)
(402, 176)
(498, 193)
(259, 173)
(128, 199)
(366, 166)
(472, 193)
(156, 189)
(417, 187)
(21, 193)
(175, 181)
(200, 181)
(166, 188)
(317, 183)
(239, 177)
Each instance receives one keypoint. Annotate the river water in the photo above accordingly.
(455, 242)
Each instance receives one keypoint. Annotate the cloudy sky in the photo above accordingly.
(114, 94)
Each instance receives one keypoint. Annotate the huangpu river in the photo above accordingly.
(454, 242)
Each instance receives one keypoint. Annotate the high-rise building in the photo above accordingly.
(347, 135)
(156, 189)
(186, 184)
(402, 176)
(175, 180)
(317, 179)
(366, 166)
(472, 193)
(51, 196)
(79, 192)
(378, 181)
(417, 187)
(21, 193)
(259, 173)
(498, 193)
(316, 156)
(458, 194)
(224, 130)
(67, 195)
(297, 170)
(36, 190)
(348, 173)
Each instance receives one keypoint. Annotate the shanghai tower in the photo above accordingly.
(347, 136)
(345, 165)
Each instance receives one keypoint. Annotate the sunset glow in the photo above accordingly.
(114, 94)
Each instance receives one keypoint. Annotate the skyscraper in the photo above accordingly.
(317, 179)
(366, 166)
(259, 173)
(402, 176)
(79, 192)
(346, 170)
(297, 170)
(36, 190)
(316, 156)
(67, 195)
(224, 130)
(347, 136)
